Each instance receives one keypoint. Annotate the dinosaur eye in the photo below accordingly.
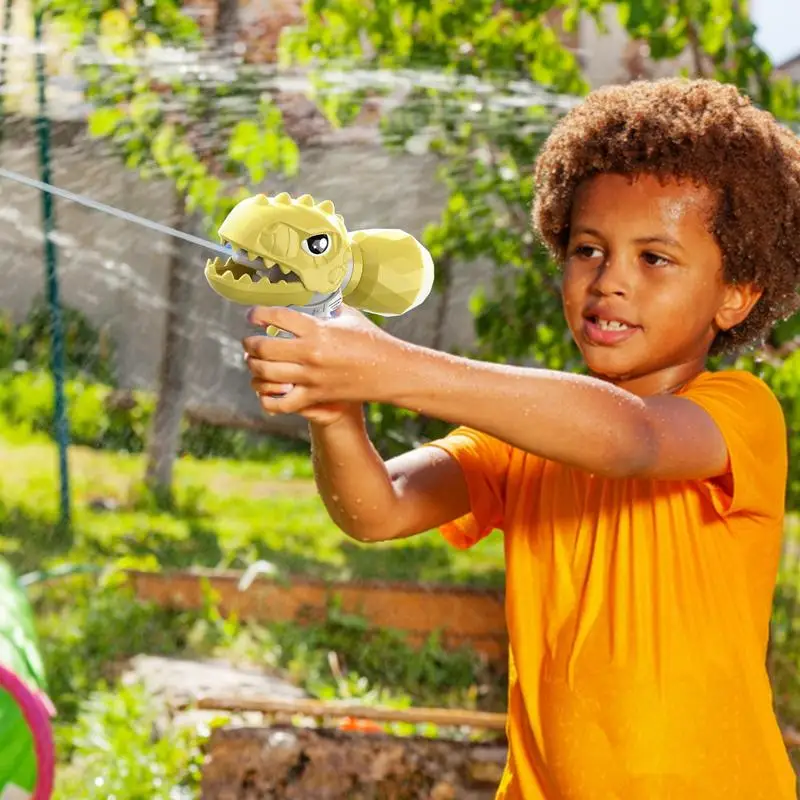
(317, 245)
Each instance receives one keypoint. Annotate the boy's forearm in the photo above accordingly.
(352, 477)
(574, 419)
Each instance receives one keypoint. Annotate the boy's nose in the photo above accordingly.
(613, 277)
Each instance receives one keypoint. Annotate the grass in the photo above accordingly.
(227, 514)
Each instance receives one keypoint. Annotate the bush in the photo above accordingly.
(88, 352)
(100, 417)
(27, 400)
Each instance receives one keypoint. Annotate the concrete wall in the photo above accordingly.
(115, 271)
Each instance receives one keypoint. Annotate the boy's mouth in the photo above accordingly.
(603, 331)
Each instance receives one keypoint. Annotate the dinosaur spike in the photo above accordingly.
(340, 218)
(283, 198)
(327, 206)
(305, 200)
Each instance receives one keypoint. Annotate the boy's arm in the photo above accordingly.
(373, 501)
(577, 420)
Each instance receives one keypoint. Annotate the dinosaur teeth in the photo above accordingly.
(233, 271)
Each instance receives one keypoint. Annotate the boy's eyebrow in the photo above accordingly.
(661, 239)
(667, 240)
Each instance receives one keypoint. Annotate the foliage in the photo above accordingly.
(210, 138)
(89, 352)
(80, 629)
(115, 752)
(486, 133)
(383, 657)
(101, 417)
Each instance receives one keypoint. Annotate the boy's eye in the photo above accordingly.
(588, 251)
(655, 260)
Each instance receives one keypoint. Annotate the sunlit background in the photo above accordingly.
(170, 537)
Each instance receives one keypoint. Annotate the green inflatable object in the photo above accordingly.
(27, 754)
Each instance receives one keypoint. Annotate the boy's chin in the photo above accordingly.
(610, 365)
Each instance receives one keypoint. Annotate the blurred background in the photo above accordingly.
(139, 479)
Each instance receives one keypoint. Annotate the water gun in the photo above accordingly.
(298, 253)
(27, 751)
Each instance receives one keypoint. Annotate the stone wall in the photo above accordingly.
(115, 271)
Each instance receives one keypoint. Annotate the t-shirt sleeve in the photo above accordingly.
(484, 461)
(751, 421)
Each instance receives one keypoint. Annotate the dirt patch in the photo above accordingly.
(275, 762)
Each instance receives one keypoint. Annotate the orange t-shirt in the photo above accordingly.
(638, 613)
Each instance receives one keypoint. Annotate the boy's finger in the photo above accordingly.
(270, 388)
(289, 403)
(277, 371)
(269, 348)
(284, 318)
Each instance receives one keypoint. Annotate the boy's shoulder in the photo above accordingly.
(739, 386)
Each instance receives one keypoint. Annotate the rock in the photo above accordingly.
(183, 679)
(177, 681)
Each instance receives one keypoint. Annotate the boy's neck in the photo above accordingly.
(667, 380)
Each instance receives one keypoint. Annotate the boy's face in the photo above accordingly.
(642, 291)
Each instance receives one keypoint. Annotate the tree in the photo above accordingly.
(165, 433)
(211, 142)
(487, 138)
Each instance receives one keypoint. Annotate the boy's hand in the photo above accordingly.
(329, 366)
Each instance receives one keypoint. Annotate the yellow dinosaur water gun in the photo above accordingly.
(298, 253)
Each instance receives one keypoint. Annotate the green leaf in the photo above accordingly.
(162, 145)
(144, 108)
(104, 121)
(243, 139)
(290, 156)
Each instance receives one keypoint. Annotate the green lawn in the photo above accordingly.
(228, 514)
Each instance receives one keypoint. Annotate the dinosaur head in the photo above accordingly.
(284, 250)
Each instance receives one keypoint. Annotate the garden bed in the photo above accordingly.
(461, 616)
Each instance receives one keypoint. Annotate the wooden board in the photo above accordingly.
(322, 709)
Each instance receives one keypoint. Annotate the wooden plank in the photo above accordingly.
(320, 709)
(469, 617)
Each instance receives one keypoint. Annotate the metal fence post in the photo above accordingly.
(60, 421)
(7, 9)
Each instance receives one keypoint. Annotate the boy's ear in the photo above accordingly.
(737, 304)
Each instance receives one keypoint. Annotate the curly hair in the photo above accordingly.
(705, 132)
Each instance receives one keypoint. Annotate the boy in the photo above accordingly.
(642, 505)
